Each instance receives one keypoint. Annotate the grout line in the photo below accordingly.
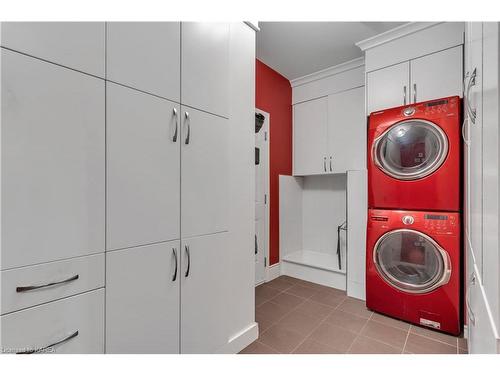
(406, 340)
(359, 334)
(431, 338)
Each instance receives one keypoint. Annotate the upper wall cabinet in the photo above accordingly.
(52, 162)
(145, 56)
(205, 66)
(77, 45)
(388, 87)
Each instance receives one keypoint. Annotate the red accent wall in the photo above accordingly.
(273, 94)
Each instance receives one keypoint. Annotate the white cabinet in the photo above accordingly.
(143, 168)
(204, 308)
(52, 162)
(145, 56)
(77, 45)
(204, 173)
(142, 299)
(388, 87)
(205, 66)
(433, 76)
(310, 122)
(346, 131)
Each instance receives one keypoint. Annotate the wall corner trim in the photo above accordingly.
(396, 33)
(333, 70)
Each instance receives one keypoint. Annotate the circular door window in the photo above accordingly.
(411, 149)
(411, 261)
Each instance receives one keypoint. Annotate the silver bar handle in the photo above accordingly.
(33, 351)
(470, 313)
(472, 81)
(404, 95)
(414, 93)
(189, 260)
(188, 120)
(331, 170)
(174, 139)
(324, 163)
(21, 289)
(465, 125)
(174, 251)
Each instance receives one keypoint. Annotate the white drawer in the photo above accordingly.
(75, 323)
(50, 281)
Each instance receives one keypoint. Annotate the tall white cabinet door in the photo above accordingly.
(143, 168)
(205, 66)
(347, 131)
(146, 56)
(204, 299)
(437, 75)
(77, 45)
(310, 122)
(142, 299)
(204, 173)
(52, 151)
(388, 87)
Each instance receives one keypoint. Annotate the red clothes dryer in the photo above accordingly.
(413, 267)
(414, 156)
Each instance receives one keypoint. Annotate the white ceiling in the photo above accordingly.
(296, 49)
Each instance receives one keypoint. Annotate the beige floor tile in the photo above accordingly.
(314, 347)
(315, 309)
(462, 343)
(335, 337)
(279, 284)
(257, 347)
(301, 291)
(300, 322)
(355, 306)
(389, 335)
(281, 339)
(327, 298)
(346, 320)
(271, 312)
(366, 345)
(390, 321)
(264, 293)
(264, 324)
(287, 300)
(462, 351)
(422, 345)
(443, 337)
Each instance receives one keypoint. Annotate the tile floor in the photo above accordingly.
(297, 316)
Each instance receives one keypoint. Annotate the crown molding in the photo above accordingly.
(396, 33)
(336, 69)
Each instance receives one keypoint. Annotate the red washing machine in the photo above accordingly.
(414, 156)
(413, 267)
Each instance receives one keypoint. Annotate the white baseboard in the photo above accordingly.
(272, 272)
(466, 332)
(241, 340)
(356, 290)
(315, 275)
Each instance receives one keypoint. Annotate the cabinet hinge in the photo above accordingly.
(265, 136)
(265, 198)
(265, 261)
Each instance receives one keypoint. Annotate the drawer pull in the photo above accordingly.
(33, 351)
(21, 289)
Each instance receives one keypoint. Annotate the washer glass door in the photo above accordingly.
(411, 149)
(411, 261)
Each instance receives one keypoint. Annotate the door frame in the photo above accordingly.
(266, 126)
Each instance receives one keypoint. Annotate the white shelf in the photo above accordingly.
(315, 259)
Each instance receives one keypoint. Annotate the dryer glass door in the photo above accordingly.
(411, 149)
(411, 261)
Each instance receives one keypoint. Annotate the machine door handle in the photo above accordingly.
(174, 138)
(188, 259)
(188, 121)
(21, 289)
(174, 251)
(414, 93)
(38, 350)
(404, 95)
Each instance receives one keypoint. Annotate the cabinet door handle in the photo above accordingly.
(404, 95)
(38, 350)
(472, 81)
(21, 289)
(324, 163)
(414, 93)
(470, 313)
(174, 251)
(465, 130)
(189, 260)
(174, 139)
(188, 120)
(331, 170)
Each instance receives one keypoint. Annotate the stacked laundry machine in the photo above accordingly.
(414, 252)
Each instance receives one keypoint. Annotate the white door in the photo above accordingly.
(388, 87)
(204, 173)
(347, 131)
(142, 299)
(261, 193)
(205, 66)
(204, 293)
(437, 75)
(310, 122)
(143, 168)
(52, 162)
(77, 45)
(145, 56)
